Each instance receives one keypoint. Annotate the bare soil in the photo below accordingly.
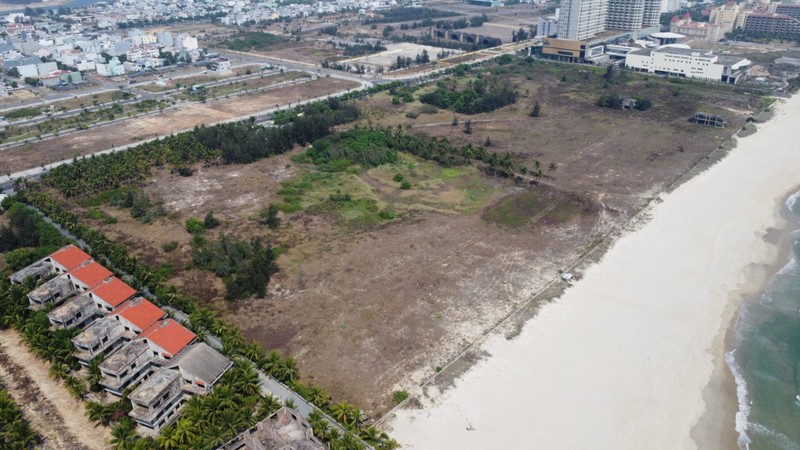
(58, 418)
(184, 118)
(367, 310)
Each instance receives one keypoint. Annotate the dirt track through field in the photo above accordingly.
(52, 412)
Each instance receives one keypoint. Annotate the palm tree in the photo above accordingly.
(168, 440)
(95, 376)
(553, 167)
(272, 362)
(58, 371)
(122, 434)
(319, 397)
(185, 432)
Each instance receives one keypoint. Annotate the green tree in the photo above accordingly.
(210, 221)
(269, 216)
(537, 110)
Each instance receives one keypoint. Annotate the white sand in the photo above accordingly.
(621, 359)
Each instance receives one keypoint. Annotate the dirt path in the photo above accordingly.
(53, 413)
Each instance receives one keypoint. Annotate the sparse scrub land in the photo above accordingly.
(379, 221)
(252, 40)
(478, 96)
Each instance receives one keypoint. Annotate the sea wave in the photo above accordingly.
(744, 401)
(791, 202)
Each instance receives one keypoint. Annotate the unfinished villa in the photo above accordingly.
(142, 348)
(285, 429)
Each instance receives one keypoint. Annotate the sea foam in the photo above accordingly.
(744, 402)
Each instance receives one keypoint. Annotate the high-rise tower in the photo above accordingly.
(582, 19)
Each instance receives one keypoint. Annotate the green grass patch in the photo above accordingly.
(516, 210)
(22, 113)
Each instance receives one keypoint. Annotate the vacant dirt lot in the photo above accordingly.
(183, 118)
(52, 412)
(371, 308)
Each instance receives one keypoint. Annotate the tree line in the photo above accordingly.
(407, 14)
(237, 142)
(15, 431)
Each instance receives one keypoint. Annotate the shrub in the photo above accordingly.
(412, 114)
(405, 185)
(400, 396)
(195, 226)
(210, 221)
(386, 215)
(170, 246)
(398, 177)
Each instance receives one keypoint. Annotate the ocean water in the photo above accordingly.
(765, 356)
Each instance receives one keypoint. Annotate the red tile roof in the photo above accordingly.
(70, 257)
(169, 335)
(114, 291)
(91, 274)
(140, 312)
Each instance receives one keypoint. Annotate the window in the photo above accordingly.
(79, 315)
(105, 339)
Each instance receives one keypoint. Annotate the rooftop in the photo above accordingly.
(140, 312)
(201, 361)
(114, 291)
(286, 429)
(91, 274)
(54, 285)
(71, 308)
(70, 257)
(169, 335)
(37, 270)
(96, 332)
(123, 357)
(154, 387)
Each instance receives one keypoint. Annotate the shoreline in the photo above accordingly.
(716, 428)
(633, 354)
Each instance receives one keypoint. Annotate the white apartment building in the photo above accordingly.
(689, 63)
(633, 15)
(546, 27)
(582, 19)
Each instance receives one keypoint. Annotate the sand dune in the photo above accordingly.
(621, 360)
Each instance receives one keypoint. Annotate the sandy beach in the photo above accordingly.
(629, 358)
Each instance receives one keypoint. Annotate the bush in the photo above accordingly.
(405, 185)
(195, 226)
(400, 396)
(412, 114)
(210, 221)
(169, 247)
(386, 215)
(398, 177)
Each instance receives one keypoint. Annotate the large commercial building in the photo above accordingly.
(688, 63)
(582, 19)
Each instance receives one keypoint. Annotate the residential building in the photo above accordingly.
(703, 31)
(689, 63)
(775, 25)
(113, 68)
(88, 275)
(546, 27)
(200, 367)
(788, 9)
(110, 293)
(582, 19)
(54, 292)
(221, 66)
(157, 400)
(76, 313)
(652, 14)
(67, 258)
(625, 14)
(126, 367)
(103, 336)
(285, 429)
(138, 314)
(167, 338)
(725, 16)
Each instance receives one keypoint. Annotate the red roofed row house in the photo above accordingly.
(139, 340)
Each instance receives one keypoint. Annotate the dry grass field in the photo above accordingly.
(370, 304)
